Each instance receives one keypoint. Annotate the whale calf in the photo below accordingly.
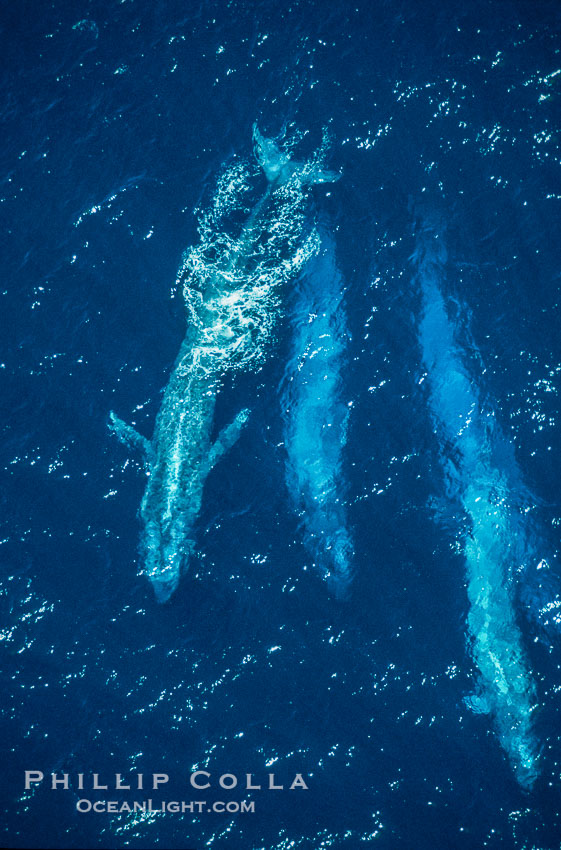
(505, 687)
(315, 416)
(232, 283)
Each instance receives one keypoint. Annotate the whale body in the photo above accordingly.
(315, 417)
(491, 550)
(232, 282)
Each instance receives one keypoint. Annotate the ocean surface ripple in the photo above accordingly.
(382, 684)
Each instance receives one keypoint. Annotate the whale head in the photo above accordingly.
(165, 584)
(165, 560)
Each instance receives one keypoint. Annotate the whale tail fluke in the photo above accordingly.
(315, 174)
(129, 436)
(279, 168)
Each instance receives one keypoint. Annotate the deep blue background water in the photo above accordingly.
(116, 119)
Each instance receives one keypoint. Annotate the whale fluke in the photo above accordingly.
(279, 168)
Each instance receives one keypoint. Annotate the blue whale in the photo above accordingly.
(232, 283)
(505, 687)
(315, 417)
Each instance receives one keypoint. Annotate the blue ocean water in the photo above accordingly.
(118, 118)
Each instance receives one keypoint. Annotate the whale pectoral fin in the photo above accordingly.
(226, 438)
(477, 703)
(129, 436)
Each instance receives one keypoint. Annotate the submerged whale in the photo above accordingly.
(491, 550)
(315, 416)
(232, 282)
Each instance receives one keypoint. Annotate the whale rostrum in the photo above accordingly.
(232, 283)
